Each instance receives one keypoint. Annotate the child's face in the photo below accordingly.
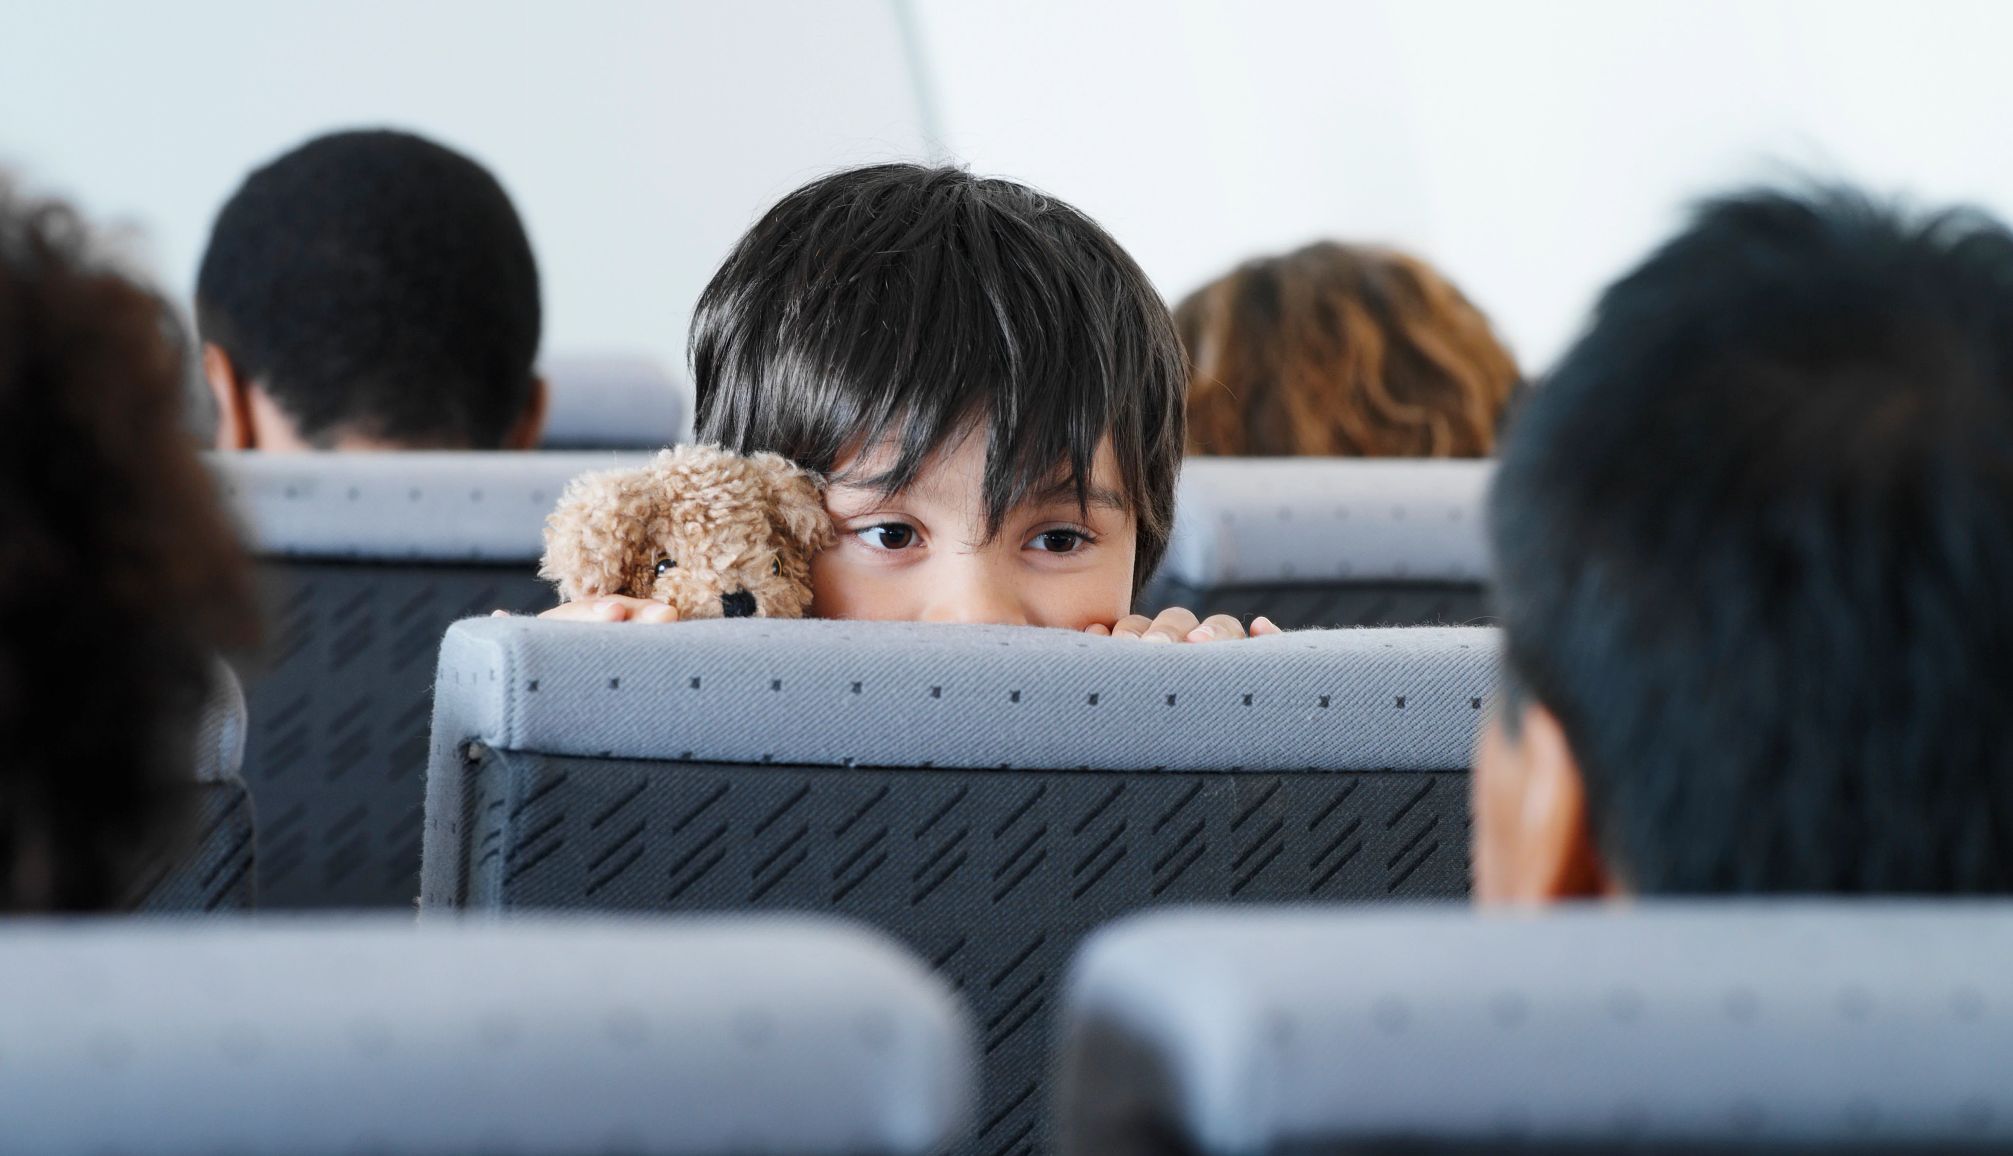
(923, 555)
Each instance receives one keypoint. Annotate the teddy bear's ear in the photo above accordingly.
(586, 554)
(796, 502)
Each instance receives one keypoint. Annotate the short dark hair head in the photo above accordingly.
(905, 305)
(1754, 547)
(121, 578)
(375, 282)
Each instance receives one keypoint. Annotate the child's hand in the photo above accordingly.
(1177, 625)
(609, 608)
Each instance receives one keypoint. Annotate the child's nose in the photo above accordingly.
(974, 594)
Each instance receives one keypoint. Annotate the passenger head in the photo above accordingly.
(120, 578)
(1341, 351)
(1753, 545)
(991, 384)
(371, 290)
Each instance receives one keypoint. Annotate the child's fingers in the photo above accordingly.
(1099, 629)
(1131, 626)
(590, 610)
(612, 608)
(1262, 626)
(1217, 628)
(1172, 625)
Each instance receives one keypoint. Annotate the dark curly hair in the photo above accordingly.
(1342, 350)
(121, 579)
(377, 283)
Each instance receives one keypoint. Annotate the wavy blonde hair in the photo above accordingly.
(1341, 350)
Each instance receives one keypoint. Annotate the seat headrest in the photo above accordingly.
(911, 694)
(1742, 1023)
(387, 507)
(549, 1038)
(1241, 521)
(613, 402)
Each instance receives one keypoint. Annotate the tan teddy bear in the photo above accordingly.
(713, 533)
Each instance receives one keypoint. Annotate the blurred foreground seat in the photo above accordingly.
(334, 1036)
(1735, 1026)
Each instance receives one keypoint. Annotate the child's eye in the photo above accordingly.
(888, 536)
(1060, 541)
(665, 565)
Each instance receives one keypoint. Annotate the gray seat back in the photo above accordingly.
(365, 559)
(985, 794)
(614, 402)
(214, 869)
(1742, 1026)
(1323, 542)
(337, 1036)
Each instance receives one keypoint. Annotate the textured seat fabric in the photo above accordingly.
(365, 559)
(389, 507)
(1320, 542)
(986, 794)
(1733, 1026)
(548, 1038)
(613, 402)
(213, 870)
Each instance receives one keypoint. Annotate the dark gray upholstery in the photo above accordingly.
(1710, 1026)
(985, 794)
(365, 559)
(1324, 542)
(212, 869)
(319, 1037)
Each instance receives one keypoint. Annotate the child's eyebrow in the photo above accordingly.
(1099, 496)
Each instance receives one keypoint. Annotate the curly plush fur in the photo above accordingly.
(714, 534)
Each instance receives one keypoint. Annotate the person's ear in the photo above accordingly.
(530, 425)
(229, 393)
(1534, 840)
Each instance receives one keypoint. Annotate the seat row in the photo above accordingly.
(367, 558)
(1760, 1026)
(986, 796)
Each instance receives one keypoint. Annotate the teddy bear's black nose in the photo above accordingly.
(739, 604)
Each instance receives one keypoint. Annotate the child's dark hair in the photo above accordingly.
(121, 579)
(1754, 549)
(375, 282)
(906, 304)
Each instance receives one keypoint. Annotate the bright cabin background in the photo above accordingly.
(1532, 149)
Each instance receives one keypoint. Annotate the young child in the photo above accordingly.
(992, 386)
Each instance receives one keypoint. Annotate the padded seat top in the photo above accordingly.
(1244, 521)
(392, 507)
(918, 695)
(613, 401)
(559, 1036)
(1744, 1023)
